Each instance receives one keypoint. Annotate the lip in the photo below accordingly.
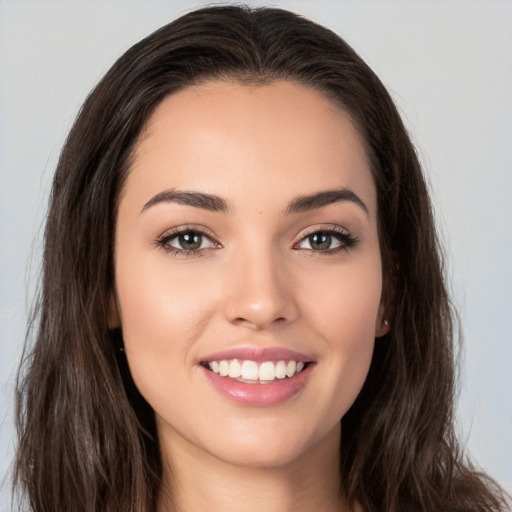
(258, 394)
(259, 355)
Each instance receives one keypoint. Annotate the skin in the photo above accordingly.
(256, 281)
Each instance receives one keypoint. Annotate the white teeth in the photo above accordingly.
(291, 368)
(267, 371)
(251, 371)
(281, 370)
(224, 368)
(235, 369)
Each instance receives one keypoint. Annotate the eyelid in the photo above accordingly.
(323, 228)
(346, 239)
(184, 228)
(335, 228)
(162, 241)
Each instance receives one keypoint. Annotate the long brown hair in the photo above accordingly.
(87, 439)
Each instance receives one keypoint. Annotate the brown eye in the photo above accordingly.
(189, 241)
(320, 241)
(327, 241)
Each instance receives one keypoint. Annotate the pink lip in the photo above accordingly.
(259, 355)
(256, 394)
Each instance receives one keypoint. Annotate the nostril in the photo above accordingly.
(257, 323)
(260, 311)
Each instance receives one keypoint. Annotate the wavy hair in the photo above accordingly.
(87, 439)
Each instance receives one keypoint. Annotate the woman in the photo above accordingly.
(240, 258)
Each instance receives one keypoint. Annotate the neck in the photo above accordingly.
(196, 481)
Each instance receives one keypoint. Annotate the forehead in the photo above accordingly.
(226, 138)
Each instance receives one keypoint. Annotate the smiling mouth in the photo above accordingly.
(252, 372)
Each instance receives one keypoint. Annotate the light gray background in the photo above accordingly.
(447, 64)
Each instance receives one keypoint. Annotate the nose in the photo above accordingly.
(260, 292)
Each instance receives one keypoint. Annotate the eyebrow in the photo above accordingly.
(208, 202)
(311, 202)
(215, 203)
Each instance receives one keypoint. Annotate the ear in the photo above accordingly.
(386, 310)
(382, 325)
(114, 319)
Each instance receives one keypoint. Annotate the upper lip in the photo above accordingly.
(258, 354)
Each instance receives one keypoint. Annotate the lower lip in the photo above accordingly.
(259, 395)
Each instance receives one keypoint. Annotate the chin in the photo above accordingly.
(272, 445)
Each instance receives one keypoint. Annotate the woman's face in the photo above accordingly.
(246, 249)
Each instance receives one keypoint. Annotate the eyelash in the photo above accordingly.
(164, 241)
(346, 240)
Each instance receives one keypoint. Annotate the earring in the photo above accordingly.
(386, 323)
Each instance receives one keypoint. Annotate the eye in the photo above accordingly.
(186, 242)
(330, 241)
(321, 241)
(190, 241)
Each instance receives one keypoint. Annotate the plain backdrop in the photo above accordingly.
(448, 66)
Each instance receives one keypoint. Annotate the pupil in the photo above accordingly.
(190, 241)
(320, 241)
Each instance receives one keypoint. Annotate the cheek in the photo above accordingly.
(345, 300)
(163, 313)
(345, 315)
(161, 299)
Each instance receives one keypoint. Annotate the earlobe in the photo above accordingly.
(387, 300)
(114, 320)
(382, 326)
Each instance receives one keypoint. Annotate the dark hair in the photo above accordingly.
(87, 439)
